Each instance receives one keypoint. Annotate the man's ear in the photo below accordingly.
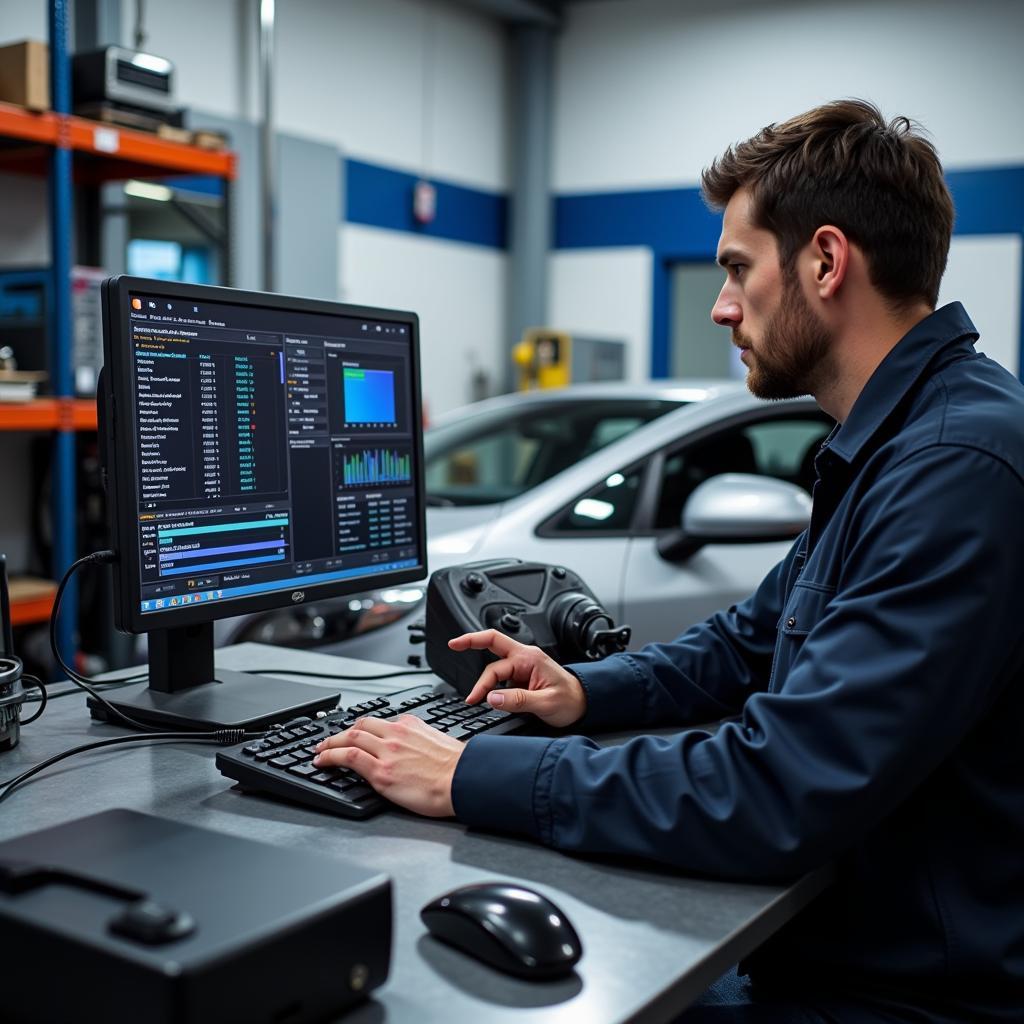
(830, 249)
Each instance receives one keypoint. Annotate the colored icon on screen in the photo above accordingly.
(136, 303)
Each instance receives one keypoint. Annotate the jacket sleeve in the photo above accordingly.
(913, 648)
(703, 675)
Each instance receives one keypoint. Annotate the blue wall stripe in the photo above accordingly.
(204, 184)
(678, 228)
(382, 198)
(673, 223)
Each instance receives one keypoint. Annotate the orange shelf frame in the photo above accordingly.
(117, 152)
(31, 600)
(49, 414)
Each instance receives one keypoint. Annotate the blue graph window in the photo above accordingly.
(369, 396)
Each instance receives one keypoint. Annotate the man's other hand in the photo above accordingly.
(404, 759)
(536, 683)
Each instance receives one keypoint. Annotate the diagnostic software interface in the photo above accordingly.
(274, 449)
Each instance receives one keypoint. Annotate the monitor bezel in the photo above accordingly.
(122, 486)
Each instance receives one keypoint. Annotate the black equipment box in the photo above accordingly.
(123, 916)
(545, 605)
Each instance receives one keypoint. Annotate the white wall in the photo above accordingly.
(23, 19)
(649, 91)
(461, 302)
(604, 293)
(417, 85)
(24, 226)
(984, 273)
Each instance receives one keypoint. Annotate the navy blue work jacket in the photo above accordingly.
(878, 678)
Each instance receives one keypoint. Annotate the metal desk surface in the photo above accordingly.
(653, 940)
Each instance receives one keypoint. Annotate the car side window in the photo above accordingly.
(483, 460)
(605, 509)
(781, 447)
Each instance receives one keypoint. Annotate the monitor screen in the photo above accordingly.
(270, 450)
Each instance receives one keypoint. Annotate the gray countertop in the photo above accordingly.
(653, 940)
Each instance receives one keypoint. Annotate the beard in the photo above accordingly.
(793, 357)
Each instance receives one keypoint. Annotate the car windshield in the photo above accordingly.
(497, 454)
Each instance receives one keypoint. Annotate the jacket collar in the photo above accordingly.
(947, 328)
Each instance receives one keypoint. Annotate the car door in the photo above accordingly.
(590, 537)
(661, 598)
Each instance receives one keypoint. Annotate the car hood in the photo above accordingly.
(455, 533)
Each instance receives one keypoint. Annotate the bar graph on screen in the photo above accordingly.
(376, 466)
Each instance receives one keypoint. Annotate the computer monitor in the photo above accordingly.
(262, 451)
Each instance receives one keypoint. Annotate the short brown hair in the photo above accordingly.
(842, 164)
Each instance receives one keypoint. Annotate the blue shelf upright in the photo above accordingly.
(64, 504)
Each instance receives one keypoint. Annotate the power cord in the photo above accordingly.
(41, 699)
(334, 675)
(224, 737)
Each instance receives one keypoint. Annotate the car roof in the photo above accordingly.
(669, 390)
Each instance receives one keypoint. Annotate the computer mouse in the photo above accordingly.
(514, 929)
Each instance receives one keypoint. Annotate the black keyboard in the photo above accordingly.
(281, 762)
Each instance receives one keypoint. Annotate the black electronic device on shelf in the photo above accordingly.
(262, 451)
(281, 763)
(548, 606)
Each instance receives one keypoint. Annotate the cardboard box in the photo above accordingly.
(25, 74)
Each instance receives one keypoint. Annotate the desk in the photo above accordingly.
(653, 941)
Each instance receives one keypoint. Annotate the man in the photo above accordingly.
(877, 672)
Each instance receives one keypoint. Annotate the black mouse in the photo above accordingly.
(511, 928)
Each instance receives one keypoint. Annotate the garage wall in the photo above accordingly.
(417, 87)
(649, 91)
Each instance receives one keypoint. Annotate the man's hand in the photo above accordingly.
(404, 759)
(537, 683)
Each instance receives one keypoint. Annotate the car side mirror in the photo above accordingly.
(737, 508)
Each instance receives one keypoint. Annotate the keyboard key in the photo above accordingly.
(358, 792)
(305, 770)
(323, 777)
(284, 761)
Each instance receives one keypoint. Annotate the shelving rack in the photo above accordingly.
(73, 150)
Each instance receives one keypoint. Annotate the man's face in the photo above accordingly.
(783, 343)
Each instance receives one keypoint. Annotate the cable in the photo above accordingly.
(334, 675)
(224, 737)
(114, 684)
(101, 558)
(42, 698)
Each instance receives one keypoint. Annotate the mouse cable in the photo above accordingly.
(224, 737)
(40, 700)
(336, 675)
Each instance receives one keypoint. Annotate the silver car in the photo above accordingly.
(596, 478)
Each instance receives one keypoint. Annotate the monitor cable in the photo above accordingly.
(144, 733)
(105, 557)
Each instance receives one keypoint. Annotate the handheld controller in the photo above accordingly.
(544, 605)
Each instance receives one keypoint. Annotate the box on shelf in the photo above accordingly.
(25, 74)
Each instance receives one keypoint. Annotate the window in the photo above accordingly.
(497, 454)
(608, 508)
(782, 447)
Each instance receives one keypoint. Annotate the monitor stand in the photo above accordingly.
(186, 692)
